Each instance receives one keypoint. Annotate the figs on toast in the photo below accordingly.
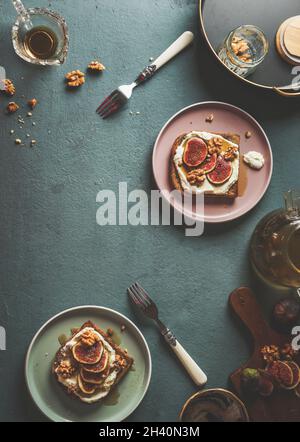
(85, 387)
(221, 173)
(100, 366)
(93, 378)
(195, 152)
(210, 163)
(87, 355)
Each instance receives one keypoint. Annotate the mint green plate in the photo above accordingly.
(50, 397)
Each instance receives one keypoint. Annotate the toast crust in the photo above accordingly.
(175, 180)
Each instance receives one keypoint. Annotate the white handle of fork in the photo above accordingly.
(193, 369)
(181, 43)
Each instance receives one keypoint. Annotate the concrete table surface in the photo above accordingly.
(55, 256)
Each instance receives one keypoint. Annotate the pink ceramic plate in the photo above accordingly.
(227, 118)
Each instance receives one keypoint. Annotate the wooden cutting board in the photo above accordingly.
(282, 406)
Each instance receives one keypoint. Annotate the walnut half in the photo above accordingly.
(96, 66)
(89, 338)
(65, 369)
(196, 177)
(75, 78)
(215, 146)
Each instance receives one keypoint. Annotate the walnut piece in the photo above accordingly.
(12, 107)
(214, 146)
(196, 177)
(96, 66)
(9, 87)
(32, 103)
(89, 338)
(270, 353)
(209, 118)
(231, 154)
(120, 362)
(65, 369)
(75, 78)
(241, 49)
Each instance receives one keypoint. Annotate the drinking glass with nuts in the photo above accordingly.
(244, 49)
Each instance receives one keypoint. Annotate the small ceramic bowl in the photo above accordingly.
(215, 405)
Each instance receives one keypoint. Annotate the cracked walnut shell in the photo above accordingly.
(9, 87)
(96, 66)
(75, 78)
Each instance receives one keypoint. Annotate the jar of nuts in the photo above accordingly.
(244, 49)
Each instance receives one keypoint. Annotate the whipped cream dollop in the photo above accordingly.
(255, 160)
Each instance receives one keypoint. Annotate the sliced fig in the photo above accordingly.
(85, 387)
(296, 374)
(92, 378)
(195, 152)
(210, 163)
(100, 366)
(281, 373)
(87, 355)
(222, 172)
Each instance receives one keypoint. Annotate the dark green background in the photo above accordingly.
(55, 256)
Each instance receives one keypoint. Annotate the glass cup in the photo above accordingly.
(244, 49)
(50, 26)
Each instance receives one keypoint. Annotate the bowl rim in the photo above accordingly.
(212, 390)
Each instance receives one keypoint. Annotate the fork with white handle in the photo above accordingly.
(143, 301)
(119, 97)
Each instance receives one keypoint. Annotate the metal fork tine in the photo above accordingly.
(111, 110)
(108, 105)
(140, 295)
(132, 295)
(143, 291)
(135, 298)
(106, 101)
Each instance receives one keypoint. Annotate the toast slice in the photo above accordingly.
(175, 179)
(67, 370)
